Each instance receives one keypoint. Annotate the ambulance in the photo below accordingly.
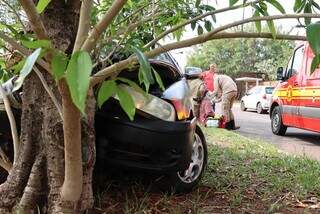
(296, 98)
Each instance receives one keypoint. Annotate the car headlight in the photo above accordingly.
(151, 104)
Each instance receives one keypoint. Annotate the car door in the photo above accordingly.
(309, 109)
(291, 86)
(256, 97)
(249, 99)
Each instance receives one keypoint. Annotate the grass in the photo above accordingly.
(243, 176)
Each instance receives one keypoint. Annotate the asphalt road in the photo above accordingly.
(296, 141)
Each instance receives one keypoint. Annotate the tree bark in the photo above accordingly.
(37, 177)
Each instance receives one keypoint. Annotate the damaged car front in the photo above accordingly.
(163, 138)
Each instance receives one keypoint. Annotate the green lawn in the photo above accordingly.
(243, 176)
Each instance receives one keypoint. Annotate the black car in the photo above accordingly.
(163, 138)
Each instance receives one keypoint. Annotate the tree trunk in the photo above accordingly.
(37, 177)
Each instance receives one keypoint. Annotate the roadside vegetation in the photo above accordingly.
(243, 176)
(243, 55)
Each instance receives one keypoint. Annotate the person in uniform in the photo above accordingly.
(227, 88)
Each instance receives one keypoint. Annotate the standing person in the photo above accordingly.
(207, 77)
(225, 86)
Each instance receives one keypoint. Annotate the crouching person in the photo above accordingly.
(225, 86)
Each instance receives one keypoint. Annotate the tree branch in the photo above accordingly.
(15, 13)
(13, 125)
(102, 25)
(259, 18)
(34, 18)
(41, 62)
(5, 161)
(117, 67)
(176, 27)
(49, 91)
(23, 50)
(84, 24)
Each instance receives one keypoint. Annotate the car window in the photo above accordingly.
(295, 63)
(269, 90)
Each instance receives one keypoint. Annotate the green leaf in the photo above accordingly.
(78, 78)
(132, 84)
(130, 3)
(277, 5)
(107, 89)
(313, 32)
(271, 26)
(12, 29)
(316, 5)
(200, 30)
(27, 68)
(257, 23)
(193, 25)
(263, 6)
(258, 9)
(208, 25)
(307, 9)
(126, 102)
(272, 29)
(302, 6)
(145, 68)
(59, 65)
(42, 4)
(36, 44)
(213, 16)
(207, 7)
(197, 3)
(232, 2)
(297, 5)
(158, 79)
(315, 63)
(18, 67)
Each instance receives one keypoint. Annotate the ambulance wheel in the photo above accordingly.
(242, 106)
(278, 128)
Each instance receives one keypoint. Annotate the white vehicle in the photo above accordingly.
(257, 98)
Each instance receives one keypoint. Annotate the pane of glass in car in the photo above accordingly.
(269, 90)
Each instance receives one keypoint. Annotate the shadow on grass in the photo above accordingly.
(243, 176)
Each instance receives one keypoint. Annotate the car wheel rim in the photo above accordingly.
(195, 167)
(276, 121)
(259, 108)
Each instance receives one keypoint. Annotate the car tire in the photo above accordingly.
(260, 109)
(182, 182)
(242, 106)
(277, 127)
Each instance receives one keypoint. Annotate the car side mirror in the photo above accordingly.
(190, 76)
(280, 73)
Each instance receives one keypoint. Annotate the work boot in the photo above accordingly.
(228, 125)
(233, 125)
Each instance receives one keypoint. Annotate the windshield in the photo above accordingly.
(269, 90)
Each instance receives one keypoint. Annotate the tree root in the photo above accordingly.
(35, 191)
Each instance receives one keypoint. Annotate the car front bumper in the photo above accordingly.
(265, 104)
(148, 144)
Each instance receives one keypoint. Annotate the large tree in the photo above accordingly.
(50, 169)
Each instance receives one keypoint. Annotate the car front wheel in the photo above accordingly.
(186, 180)
(260, 109)
(277, 126)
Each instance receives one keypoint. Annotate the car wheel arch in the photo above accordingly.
(273, 105)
